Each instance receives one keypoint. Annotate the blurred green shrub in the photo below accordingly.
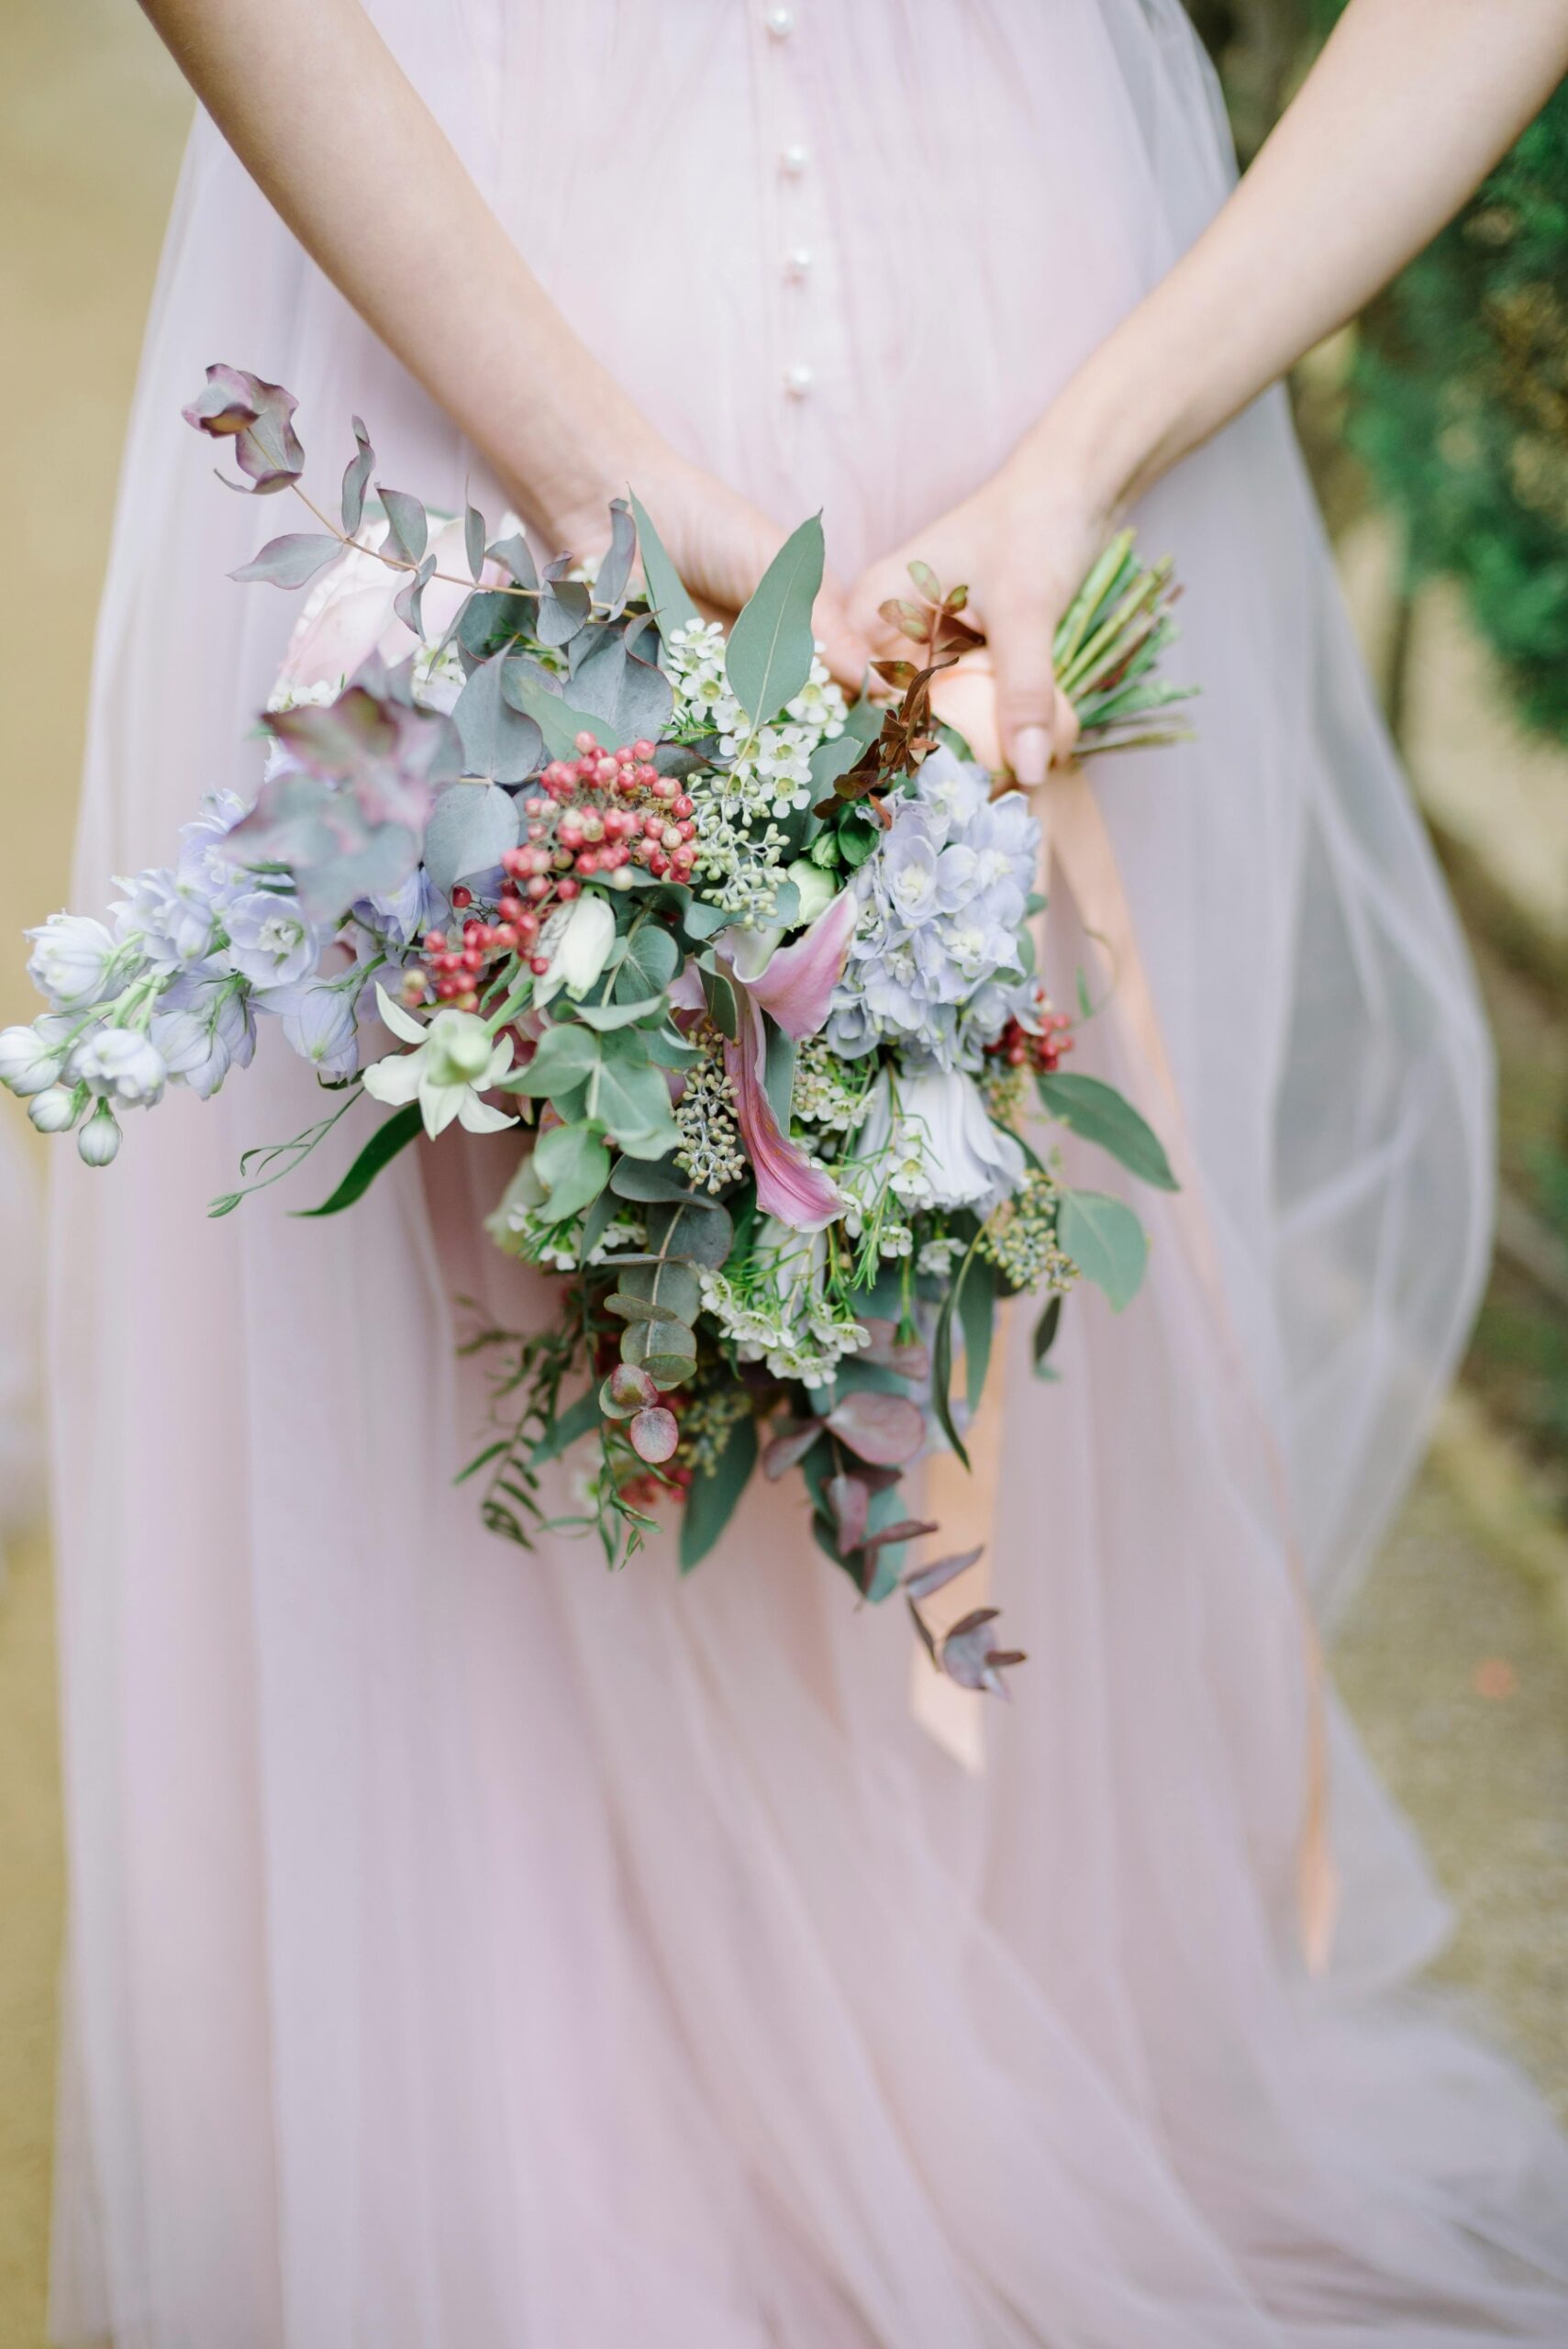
(1458, 395)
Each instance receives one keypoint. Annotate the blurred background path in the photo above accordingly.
(1455, 1660)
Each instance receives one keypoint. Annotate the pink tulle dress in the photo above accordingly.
(471, 1950)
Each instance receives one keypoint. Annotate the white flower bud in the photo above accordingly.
(27, 1063)
(817, 889)
(582, 950)
(55, 1110)
(99, 1139)
(72, 961)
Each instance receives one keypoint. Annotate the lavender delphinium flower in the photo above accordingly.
(171, 920)
(270, 941)
(318, 1022)
(942, 905)
(120, 1064)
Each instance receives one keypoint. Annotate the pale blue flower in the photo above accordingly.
(75, 962)
(270, 941)
(170, 920)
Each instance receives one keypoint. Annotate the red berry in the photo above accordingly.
(642, 749)
(567, 887)
(461, 897)
(434, 940)
(587, 741)
(539, 965)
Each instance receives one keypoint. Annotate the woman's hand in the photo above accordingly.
(1021, 545)
(719, 541)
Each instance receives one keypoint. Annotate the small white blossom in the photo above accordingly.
(455, 1060)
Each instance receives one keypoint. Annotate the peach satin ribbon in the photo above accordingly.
(1074, 835)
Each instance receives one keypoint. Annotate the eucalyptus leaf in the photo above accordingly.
(563, 607)
(573, 1164)
(289, 560)
(671, 605)
(771, 650)
(1045, 1331)
(648, 966)
(977, 1314)
(665, 1291)
(516, 556)
(723, 1005)
(778, 1070)
(474, 540)
(356, 479)
(409, 601)
(557, 723)
(1098, 1113)
(634, 1179)
(567, 1054)
(614, 570)
(470, 828)
(407, 524)
(498, 740)
(1106, 1243)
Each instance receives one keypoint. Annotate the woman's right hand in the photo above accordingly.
(719, 542)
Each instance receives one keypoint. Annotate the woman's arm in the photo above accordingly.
(1408, 107)
(320, 113)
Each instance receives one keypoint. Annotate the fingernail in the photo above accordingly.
(1032, 753)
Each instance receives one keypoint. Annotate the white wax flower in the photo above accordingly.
(72, 961)
(27, 1063)
(455, 1060)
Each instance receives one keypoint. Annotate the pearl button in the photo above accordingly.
(797, 264)
(780, 23)
(798, 381)
(794, 159)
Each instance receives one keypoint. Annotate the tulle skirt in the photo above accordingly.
(469, 1947)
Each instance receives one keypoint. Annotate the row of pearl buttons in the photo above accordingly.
(793, 162)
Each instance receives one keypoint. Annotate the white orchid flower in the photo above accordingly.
(455, 1059)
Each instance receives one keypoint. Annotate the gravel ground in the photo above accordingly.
(1449, 1666)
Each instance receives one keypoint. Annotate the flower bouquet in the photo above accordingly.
(745, 972)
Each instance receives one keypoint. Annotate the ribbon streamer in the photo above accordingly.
(1075, 837)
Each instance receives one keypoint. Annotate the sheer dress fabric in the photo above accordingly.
(469, 1948)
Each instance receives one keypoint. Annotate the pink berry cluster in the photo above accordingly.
(601, 810)
(1020, 1047)
(587, 816)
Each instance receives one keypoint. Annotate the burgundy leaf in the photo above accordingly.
(786, 1450)
(925, 1580)
(887, 1428)
(850, 1502)
(256, 417)
(390, 755)
(908, 1357)
(968, 1656)
(654, 1434)
(627, 1390)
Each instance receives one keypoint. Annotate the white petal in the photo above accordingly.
(439, 1105)
(395, 1079)
(401, 1021)
(480, 1117)
(500, 1062)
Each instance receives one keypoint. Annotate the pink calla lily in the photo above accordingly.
(788, 1186)
(796, 986)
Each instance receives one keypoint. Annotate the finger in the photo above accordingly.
(844, 645)
(1020, 637)
(1065, 732)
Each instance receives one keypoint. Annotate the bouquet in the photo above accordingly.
(744, 972)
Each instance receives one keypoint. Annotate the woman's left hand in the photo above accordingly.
(1021, 544)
